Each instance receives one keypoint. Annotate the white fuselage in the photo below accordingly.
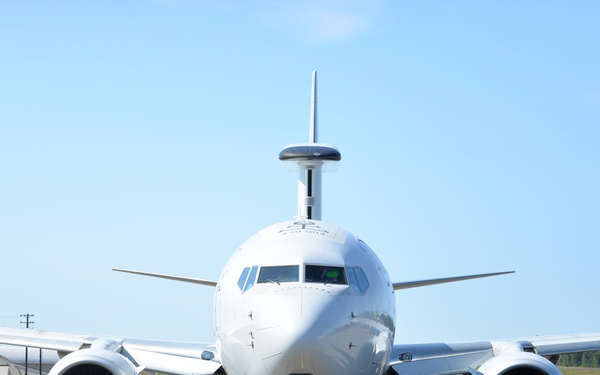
(304, 297)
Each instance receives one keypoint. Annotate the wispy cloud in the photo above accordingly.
(321, 20)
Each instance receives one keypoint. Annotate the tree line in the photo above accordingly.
(585, 359)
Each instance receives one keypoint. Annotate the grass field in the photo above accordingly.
(579, 371)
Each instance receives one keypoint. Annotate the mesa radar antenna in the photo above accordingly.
(312, 133)
(310, 158)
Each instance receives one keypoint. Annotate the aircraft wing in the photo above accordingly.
(170, 357)
(488, 356)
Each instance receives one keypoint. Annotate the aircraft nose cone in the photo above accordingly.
(300, 331)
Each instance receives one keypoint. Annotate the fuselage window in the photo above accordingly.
(325, 275)
(278, 274)
(357, 279)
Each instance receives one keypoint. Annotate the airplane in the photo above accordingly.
(302, 297)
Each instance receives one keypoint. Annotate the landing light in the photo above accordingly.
(405, 357)
(207, 356)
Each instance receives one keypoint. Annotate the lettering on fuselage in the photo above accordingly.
(304, 227)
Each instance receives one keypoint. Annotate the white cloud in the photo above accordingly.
(321, 20)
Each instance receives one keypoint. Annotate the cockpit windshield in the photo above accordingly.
(352, 276)
(278, 274)
(325, 274)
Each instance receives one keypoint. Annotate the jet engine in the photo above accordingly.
(518, 363)
(94, 361)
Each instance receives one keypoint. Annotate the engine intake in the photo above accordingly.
(94, 362)
(519, 363)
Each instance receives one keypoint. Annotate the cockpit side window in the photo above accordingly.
(251, 278)
(278, 274)
(247, 278)
(357, 279)
(243, 278)
(352, 280)
(325, 274)
(362, 279)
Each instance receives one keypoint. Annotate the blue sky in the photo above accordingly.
(144, 134)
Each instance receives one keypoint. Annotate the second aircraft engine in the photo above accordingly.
(94, 362)
(519, 363)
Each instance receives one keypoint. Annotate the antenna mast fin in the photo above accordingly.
(313, 134)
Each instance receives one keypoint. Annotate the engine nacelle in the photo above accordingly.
(518, 363)
(94, 362)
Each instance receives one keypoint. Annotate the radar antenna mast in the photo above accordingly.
(310, 158)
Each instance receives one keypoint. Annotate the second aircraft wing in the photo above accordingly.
(170, 357)
(489, 357)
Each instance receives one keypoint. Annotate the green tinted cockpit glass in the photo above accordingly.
(332, 274)
(325, 274)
